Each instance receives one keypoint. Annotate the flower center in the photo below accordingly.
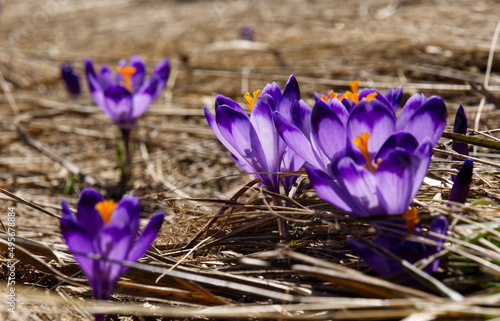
(362, 142)
(251, 100)
(126, 72)
(352, 95)
(411, 218)
(106, 208)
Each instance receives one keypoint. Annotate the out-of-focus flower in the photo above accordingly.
(70, 79)
(126, 96)
(460, 189)
(247, 33)
(109, 231)
(254, 141)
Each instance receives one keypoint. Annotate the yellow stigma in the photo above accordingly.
(411, 217)
(106, 208)
(354, 86)
(362, 142)
(251, 100)
(370, 96)
(127, 72)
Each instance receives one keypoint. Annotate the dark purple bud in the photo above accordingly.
(70, 78)
(460, 188)
(246, 33)
(460, 127)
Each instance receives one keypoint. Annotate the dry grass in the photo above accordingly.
(218, 256)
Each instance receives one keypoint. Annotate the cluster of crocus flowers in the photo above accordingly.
(126, 96)
(365, 161)
(104, 233)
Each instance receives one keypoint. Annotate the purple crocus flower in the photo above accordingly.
(70, 79)
(109, 231)
(126, 96)
(253, 141)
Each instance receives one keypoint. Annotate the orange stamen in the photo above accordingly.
(354, 86)
(251, 100)
(127, 72)
(412, 219)
(106, 208)
(362, 142)
(352, 96)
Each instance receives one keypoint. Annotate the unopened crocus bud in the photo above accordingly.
(70, 79)
(460, 188)
(459, 127)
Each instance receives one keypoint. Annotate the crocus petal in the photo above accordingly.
(119, 105)
(105, 77)
(86, 214)
(137, 79)
(291, 162)
(328, 190)
(337, 108)
(360, 183)
(421, 160)
(440, 226)
(394, 181)
(221, 100)
(298, 142)
(148, 235)
(291, 93)
(374, 118)
(94, 87)
(411, 106)
(151, 88)
(328, 131)
(460, 189)
(301, 117)
(114, 244)
(379, 97)
(240, 134)
(399, 141)
(377, 261)
(428, 121)
(394, 96)
(262, 122)
(79, 243)
(127, 214)
(274, 91)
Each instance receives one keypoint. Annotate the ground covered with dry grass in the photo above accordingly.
(219, 255)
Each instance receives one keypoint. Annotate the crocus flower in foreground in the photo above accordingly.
(70, 79)
(109, 231)
(254, 141)
(126, 96)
